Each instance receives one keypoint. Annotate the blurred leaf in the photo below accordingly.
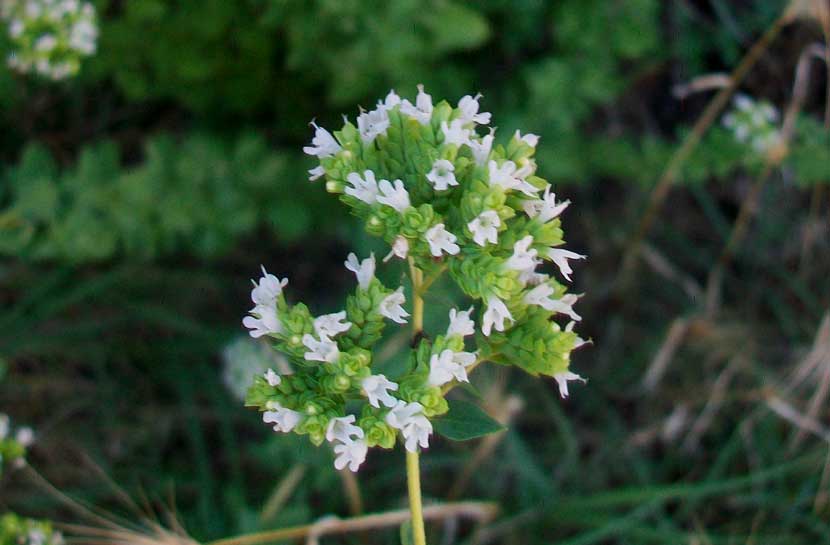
(465, 421)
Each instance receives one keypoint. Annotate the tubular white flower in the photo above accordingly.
(351, 454)
(268, 288)
(449, 365)
(316, 173)
(484, 227)
(482, 147)
(25, 436)
(541, 296)
(323, 349)
(263, 321)
(414, 426)
(560, 257)
(563, 378)
(392, 99)
(440, 240)
(508, 177)
(442, 175)
(580, 342)
(323, 144)
(364, 189)
(495, 315)
(377, 388)
(455, 133)
(422, 110)
(530, 139)
(545, 208)
(342, 429)
(284, 420)
(524, 257)
(372, 124)
(272, 378)
(397, 197)
(400, 249)
(468, 107)
(331, 325)
(461, 325)
(391, 307)
(363, 270)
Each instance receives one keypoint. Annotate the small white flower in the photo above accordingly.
(442, 175)
(363, 270)
(391, 307)
(414, 426)
(560, 257)
(323, 144)
(372, 124)
(422, 110)
(563, 378)
(323, 349)
(272, 378)
(441, 240)
(481, 148)
(331, 325)
(524, 257)
(580, 342)
(263, 321)
(460, 323)
(364, 189)
(495, 315)
(25, 436)
(391, 100)
(530, 139)
(545, 208)
(46, 43)
(400, 249)
(449, 365)
(397, 197)
(342, 429)
(316, 173)
(376, 388)
(351, 454)
(16, 28)
(468, 107)
(284, 420)
(541, 296)
(4, 426)
(485, 227)
(455, 133)
(508, 177)
(268, 289)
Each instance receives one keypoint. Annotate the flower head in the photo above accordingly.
(397, 197)
(363, 270)
(441, 176)
(422, 110)
(351, 454)
(272, 378)
(284, 420)
(455, 133)
(323, 349)
(372, 124)
(468, 106)
(440, 240)
(263, 321)
(331, 325)
(485, 227)
(495, 315)
(364, 189)
(323, 144)
(391, 307)
(268, 288)
(461, 325)
(524, 257)
(414, 426)
(482, 147)
(343, 429)
(377, 388)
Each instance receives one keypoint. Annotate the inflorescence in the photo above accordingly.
(49, 37)
(13, 444)
(16, 530)
(446, 199)
(754, 123)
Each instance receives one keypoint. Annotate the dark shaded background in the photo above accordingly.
(138, 199)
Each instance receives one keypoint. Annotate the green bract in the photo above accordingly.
(446, 199)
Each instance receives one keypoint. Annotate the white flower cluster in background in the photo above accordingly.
(13, 443)
(49, 37)
(754, 123)
(243, 359)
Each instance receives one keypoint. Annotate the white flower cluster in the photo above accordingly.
(13, 445)
(49, 37)
(754, 123)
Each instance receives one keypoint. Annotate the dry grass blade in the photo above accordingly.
(660, 364)
(713, 404)
(816, 365)
(802, 422)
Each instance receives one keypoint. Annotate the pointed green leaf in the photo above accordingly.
(465, 421)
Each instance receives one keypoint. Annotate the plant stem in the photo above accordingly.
(413, 471)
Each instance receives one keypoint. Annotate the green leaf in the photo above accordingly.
(465, 421)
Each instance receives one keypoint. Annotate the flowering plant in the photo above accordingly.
(447, 200)
(16, 530)
(50, 37)
(13, 446)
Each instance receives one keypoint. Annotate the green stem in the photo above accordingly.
(413, 471)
